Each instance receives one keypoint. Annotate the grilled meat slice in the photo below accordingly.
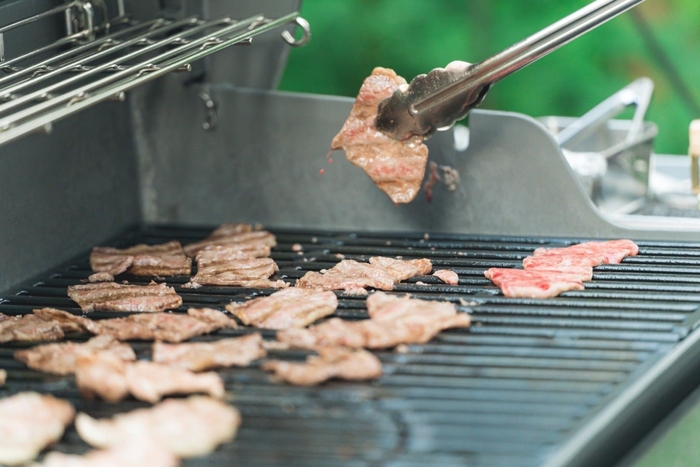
(381, 273)
(254, 272)
(132, 454)
(102, 376)
(332, 362)
(167, 259)
(3, 377)
(200, 356)
(28, 423)
(534, 283)
(108, 296)
(596, 253)
(28, 328)
(112, 379)
(448, 277)
(60, 359)
(222, 254)
(396, 167)
(393, 321)
(289, 308)
(223, 236)
(185, 427)
(67, 322)
(168, 327)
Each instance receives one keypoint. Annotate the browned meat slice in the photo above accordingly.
(168, 327)
(234, 228)
(224, 236)
(381, 273)
(185, 427)
(28, 423)
(101, 277)
(199, 356)
(402, 269)
(448, 277)
(331, 362)
(102, 376)
(108, 296)
(167, 259)
(59, 359)
(67, 321)
(29, 328)
(3, 377)
(222, 254)
(132, 454)
(396, 167)
(289, 308)
(393, 321)
(253, 272)
(112, 379)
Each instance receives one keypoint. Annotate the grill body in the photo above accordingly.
(573, 380)
(570, 381)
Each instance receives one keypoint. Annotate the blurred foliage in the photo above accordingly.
(351, 37)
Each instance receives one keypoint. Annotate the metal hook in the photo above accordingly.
(306, 33)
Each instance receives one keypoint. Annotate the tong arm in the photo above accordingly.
(435, 101)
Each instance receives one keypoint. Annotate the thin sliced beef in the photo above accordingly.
(393, 320)
(448, 277)
(3, 377)
(167, 259)
(185, 427)
(108, 296)
(610, 252)
(289, 308)
(251, 240)
(60, 359)
(381, 273)
(200, 356)
(222, 254)
(253, 272)
(29, 328)
(518, 283)
(112, 379)
(396, 167)
(331, 362)
(168, 327)
(132, 454)
(29, 422)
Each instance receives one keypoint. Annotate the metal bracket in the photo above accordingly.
(211, 116)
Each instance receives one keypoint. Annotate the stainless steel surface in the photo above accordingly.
(436, 100)
(158, 52)
(263, 165)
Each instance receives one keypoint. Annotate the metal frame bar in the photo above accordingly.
(33, 96)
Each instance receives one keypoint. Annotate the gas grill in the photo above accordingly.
(571, 381)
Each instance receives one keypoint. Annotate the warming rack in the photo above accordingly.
(101, 60)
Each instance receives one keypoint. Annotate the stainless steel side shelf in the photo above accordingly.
(98, 62)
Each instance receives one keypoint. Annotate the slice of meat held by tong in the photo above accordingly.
(396, 167)
(109, 296)
(288, 308)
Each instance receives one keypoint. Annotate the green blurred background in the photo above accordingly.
(351, 37)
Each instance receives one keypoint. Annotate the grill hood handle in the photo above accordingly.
(437, 100)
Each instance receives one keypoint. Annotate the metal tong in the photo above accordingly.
(437, 100)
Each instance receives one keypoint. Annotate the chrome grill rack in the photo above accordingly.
(101, 60)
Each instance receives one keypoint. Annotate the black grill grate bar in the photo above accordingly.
(582, 323)
(625, 313)
(529, 352)
(512, 361)
(579, 334)
(441, 381)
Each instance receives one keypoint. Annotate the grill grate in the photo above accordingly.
(509, 391)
